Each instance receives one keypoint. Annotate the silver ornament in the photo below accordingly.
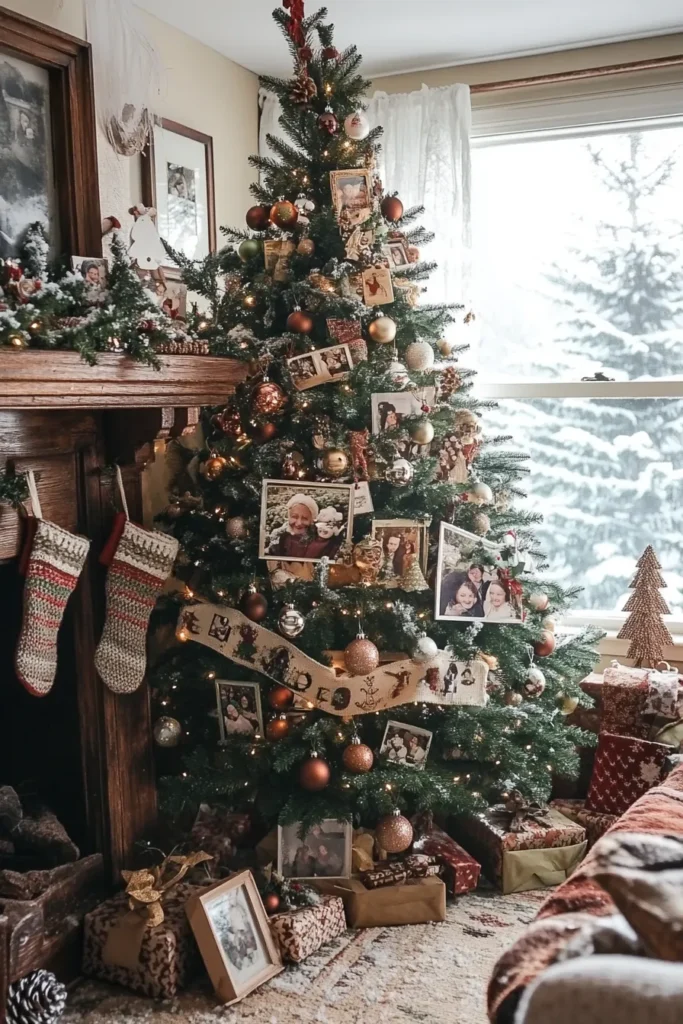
(291, 622)
(357, 126)
(425, 650)
(534, 684)
(400, 473)
(398, 373)
(167, 731)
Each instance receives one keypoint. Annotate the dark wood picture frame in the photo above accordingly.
(72, 110)
(148, 171)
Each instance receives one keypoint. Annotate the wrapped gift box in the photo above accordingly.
(540, 856)
(168, 957)
(460, 870)
(623, 710)
(417, 901)
(594, 822)
(624, 770)
(301, 932)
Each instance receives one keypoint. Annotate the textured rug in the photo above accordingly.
(432, 973)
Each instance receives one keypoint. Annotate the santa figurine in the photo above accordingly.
(145, 246)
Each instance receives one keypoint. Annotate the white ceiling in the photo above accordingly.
(411, 35)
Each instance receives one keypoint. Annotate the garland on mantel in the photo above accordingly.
(46, 308)
(13, 488)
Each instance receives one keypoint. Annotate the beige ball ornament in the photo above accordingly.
(361, 656)
(539, 601)
(534, 684)
(393, 832)
(236, 527)
(419, 356)
(480, 493)
(549, 624)
(422, 431)
(445, 346)
(335, 462)
(382, 330)
(357, 126)
(167, 731)
(481, 524)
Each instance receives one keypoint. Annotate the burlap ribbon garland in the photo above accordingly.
(145, 890)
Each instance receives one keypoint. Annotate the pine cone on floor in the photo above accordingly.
(36, 999)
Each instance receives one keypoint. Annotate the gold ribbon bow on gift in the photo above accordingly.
(516, 809)
(145, 890)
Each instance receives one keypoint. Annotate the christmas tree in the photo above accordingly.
(644, 627)
(345, 403)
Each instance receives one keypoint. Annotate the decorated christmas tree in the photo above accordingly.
(644, 627)
(322, 497)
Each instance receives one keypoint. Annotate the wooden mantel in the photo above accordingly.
(69, 422)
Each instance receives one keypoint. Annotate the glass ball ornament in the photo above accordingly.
(425, 649)
(254, 605)
(236, 527)
(314, 774)
(400, 473)
(167, 731)
(335, 462)
(393, 832)
(544, 647)
(280, 698)
(538, 601)
(267, 398)
(534, 683)
(284, 214)
(249, 249)
(480, 493)
(422, 431)
(306, 247)
(361, 656)
(419, 356)
(214, 467)
(277, 728)
(357, 126)
(392, 208)
(398, 373)
(258, 218)
(382, 330)
(357, 758)
(299, 322)
(291, 622)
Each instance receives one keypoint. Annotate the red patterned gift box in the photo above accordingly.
(623, 707)
(624, 769)
(541, 855)
(460, 870)
(595, 823)
(301, 932)
(168, 958)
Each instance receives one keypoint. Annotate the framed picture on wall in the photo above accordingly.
(48, 157)
(178, 181)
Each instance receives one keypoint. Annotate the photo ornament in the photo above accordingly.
(324, 851)
(471, 582)
(304, 522)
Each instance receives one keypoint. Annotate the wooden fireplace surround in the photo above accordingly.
(70, 422)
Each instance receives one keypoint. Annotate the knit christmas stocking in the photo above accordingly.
(54, 565)
(139, 568)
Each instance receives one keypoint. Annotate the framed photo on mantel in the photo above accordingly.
(178, 181)
(48, 155)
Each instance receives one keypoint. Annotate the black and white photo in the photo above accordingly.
(405, 745)
(304, 522)
(323, 852)
(93, 270)
(239, 709)
(391, 409)
(320, 366)
(351, 195)
(472, 582)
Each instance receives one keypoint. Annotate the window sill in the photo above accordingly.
(610, 648)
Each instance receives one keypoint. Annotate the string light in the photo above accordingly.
(456, 778)
(387, 786)
(210, 675)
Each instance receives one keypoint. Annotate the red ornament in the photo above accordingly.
(392, 208)
(271, 901)
(546, 645)
(277, 728)
(280, 698)
(299, 322)
(258, 218)
(284, 214)
(314, 774)
(254, 605)
(327, 122)
(330, 53)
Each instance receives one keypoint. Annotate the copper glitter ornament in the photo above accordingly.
(214, 467)
(236, 527)
(314, 774)
(271, 901)
(357, 758)
(306, 247)
(280, 698)
(393, 832)
(267, 398)
(284, 214)
(299, 322)
(264, 431)
(361, 656)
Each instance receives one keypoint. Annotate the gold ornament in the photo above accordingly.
(445, 346)
(214, 467)
(367, 557)
(394, 833)
(382, 330)
(167, 731)
(357, 757)
(361, 656)
(422, 431)
(335, 462)
(567, 705)
(17, 339)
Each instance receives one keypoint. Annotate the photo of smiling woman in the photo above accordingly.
(468, 582)
(304, 522)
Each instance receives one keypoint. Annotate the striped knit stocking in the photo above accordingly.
(54, 565)
(141, 565)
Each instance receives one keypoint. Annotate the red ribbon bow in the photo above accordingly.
(296, 16)
(513, 585)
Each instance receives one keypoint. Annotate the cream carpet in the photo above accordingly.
(433, 973)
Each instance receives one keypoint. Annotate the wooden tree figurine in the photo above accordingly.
(644, 626)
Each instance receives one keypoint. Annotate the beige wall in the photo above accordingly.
(200, 88)
(522, 67)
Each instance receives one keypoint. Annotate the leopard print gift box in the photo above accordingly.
(169, 958)
(301, 932)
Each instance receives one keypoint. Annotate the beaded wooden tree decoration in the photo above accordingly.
(644, 627)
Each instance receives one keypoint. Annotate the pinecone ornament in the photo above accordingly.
(36, 999)
(304, 89)
(449, 383)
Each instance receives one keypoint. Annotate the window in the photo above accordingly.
(579, 270)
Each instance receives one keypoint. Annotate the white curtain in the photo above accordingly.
(425, 157)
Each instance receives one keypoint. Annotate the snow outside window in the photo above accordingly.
(578, 262)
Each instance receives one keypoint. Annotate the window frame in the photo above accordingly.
(596, 112)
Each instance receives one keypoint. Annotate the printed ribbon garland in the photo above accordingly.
(441, 681)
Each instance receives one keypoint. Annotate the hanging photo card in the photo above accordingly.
(321, 366)
(277, 254)
(396, 251)
(462, 683)
(405, 745)
(377, 287)
(351, 195)
(469, 587)
(404, 552)
(391, 408)
(304, 522)
(362, 499)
